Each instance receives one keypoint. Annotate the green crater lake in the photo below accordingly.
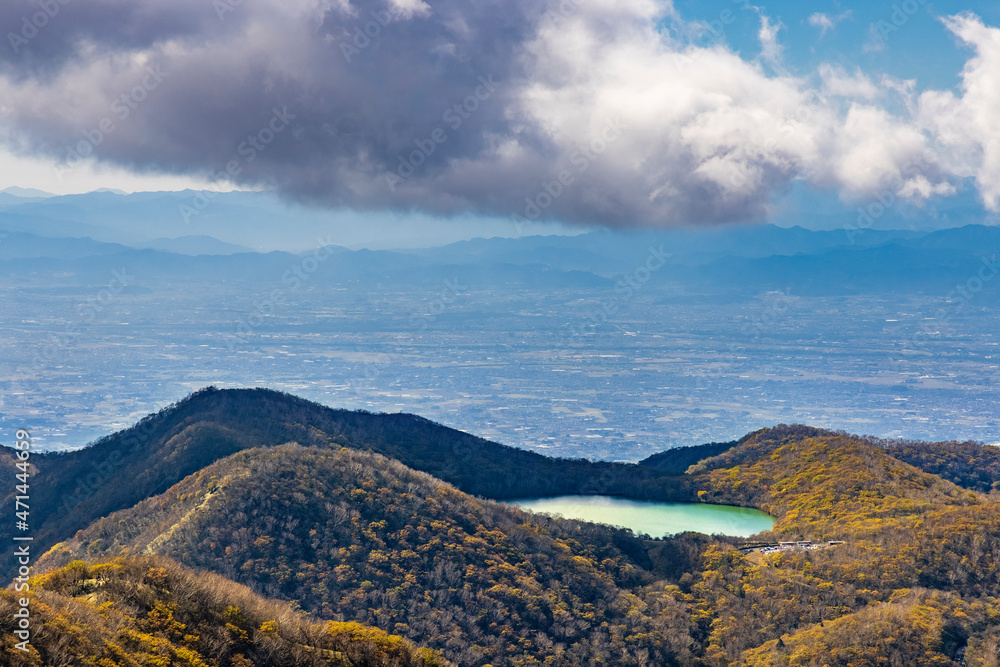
(654, 518)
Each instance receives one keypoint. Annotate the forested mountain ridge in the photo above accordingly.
(354, 536)
(971, 465)
(825, 485)
(916, 548)
(129, 466)
(676, 461)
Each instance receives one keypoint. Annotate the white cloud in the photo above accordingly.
(872, 150)
(770, 47)
(710, 133)
(821, 21)
(838, 83)
(966, 128)
(875, 42)
(678, 133)
(410, 8)
(706, 133)
(826, 22)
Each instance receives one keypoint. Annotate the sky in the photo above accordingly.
(610, 112)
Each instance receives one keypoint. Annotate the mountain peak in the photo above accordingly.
(32, 193)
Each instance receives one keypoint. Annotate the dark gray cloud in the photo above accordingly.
(577, 111)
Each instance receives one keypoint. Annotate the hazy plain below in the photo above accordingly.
(599, 346)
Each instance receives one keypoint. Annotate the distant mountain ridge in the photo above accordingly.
(196, 245)
(23, 193)
(247, 218)
(744, 261)
(22, 245)
(86, 261)
(737, 259)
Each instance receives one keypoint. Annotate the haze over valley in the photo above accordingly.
(599, 345)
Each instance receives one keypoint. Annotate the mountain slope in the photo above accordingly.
(355, 536)
(826, 485)
(971, 465)
(901, 529)
(127, 467)
(151, 611)
(195, 244)
(837, 271)
(676, 461)
(915, 628)
(21, 245)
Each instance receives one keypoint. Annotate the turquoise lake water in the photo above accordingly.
(654, 518)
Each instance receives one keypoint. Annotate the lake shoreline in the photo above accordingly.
(654, 518)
